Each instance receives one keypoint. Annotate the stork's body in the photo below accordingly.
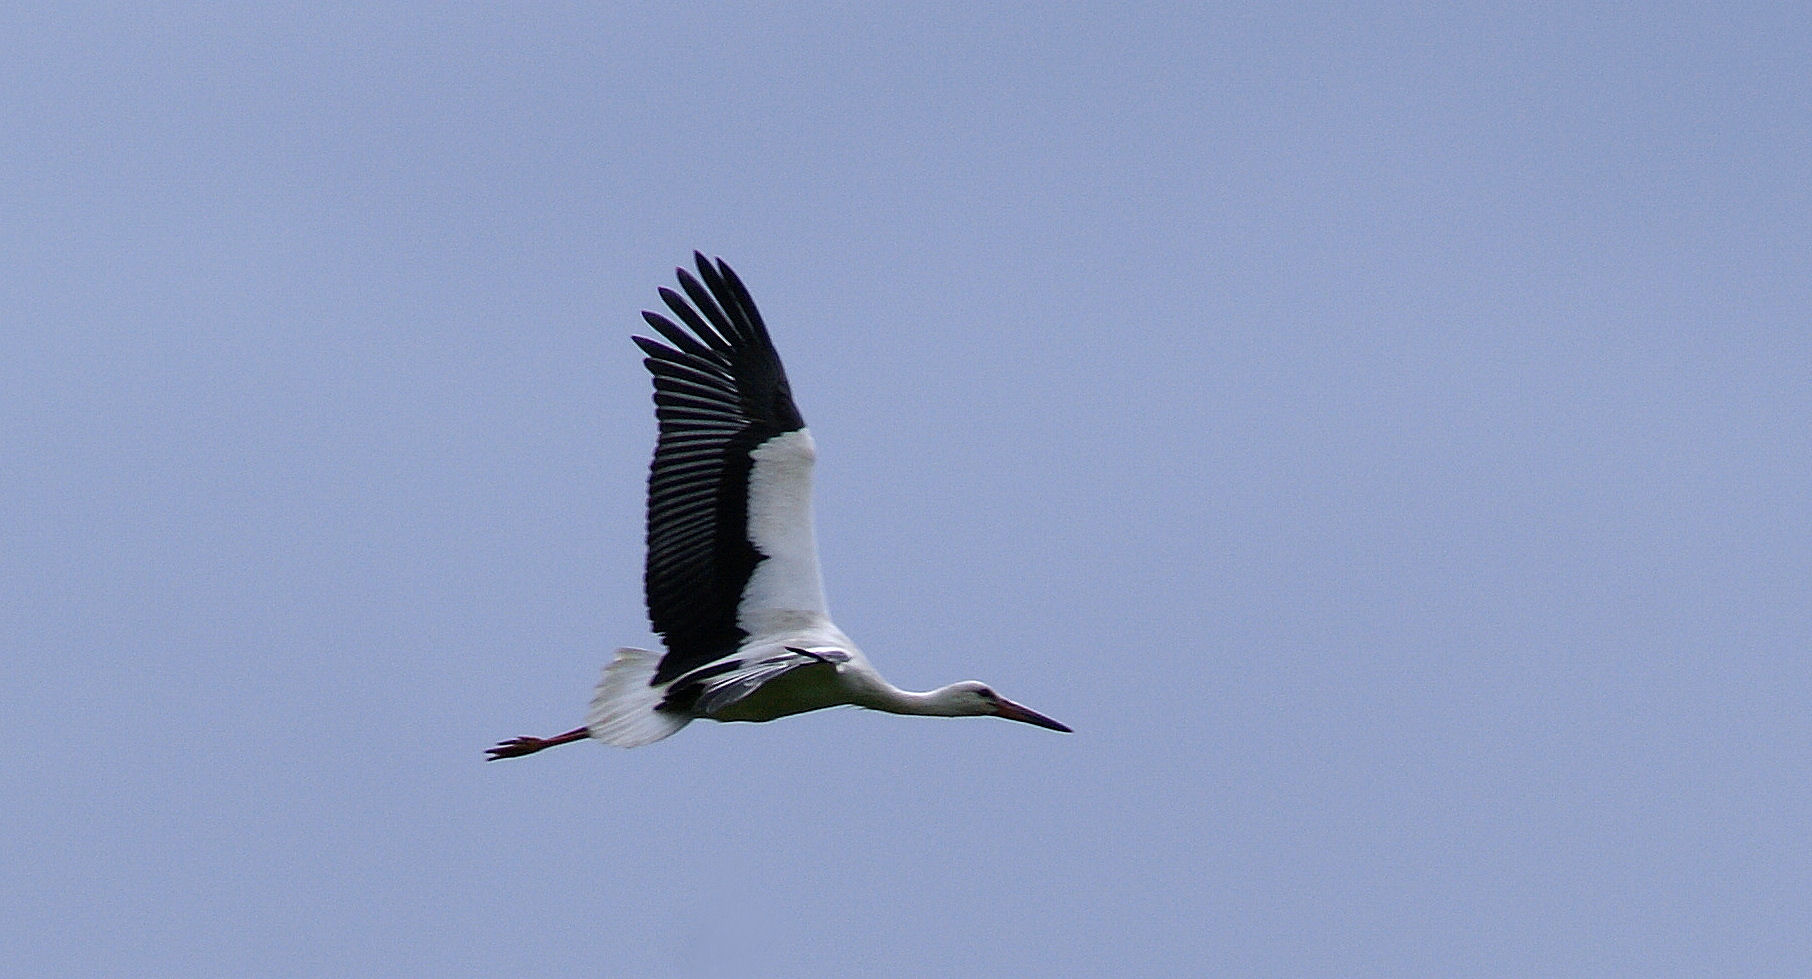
(732, 578)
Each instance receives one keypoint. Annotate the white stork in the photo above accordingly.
(732, 578)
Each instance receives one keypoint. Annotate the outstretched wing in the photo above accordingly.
(731, 551)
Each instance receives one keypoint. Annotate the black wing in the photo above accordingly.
(719, 392)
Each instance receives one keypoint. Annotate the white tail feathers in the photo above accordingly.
(623, 708)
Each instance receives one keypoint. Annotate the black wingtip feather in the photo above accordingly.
(744, 302)
(654, 348)
(679, 338)
(713, 337)
(705, 301)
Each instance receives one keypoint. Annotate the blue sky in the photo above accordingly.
(1379, 430)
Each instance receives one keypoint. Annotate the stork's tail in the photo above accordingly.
(623, 708)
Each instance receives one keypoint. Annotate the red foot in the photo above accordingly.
(517, 747)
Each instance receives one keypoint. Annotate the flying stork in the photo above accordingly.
(732, 579)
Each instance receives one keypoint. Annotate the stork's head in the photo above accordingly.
(973, 698)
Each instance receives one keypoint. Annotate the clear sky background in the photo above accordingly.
(1381, 431)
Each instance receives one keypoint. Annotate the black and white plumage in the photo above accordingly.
(732, 579)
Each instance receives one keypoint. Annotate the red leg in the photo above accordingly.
(517, 747)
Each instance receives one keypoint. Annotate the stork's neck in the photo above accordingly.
(931, 703)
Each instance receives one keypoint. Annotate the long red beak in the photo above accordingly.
(1015, 712)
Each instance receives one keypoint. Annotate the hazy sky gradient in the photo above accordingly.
(1380, 431)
